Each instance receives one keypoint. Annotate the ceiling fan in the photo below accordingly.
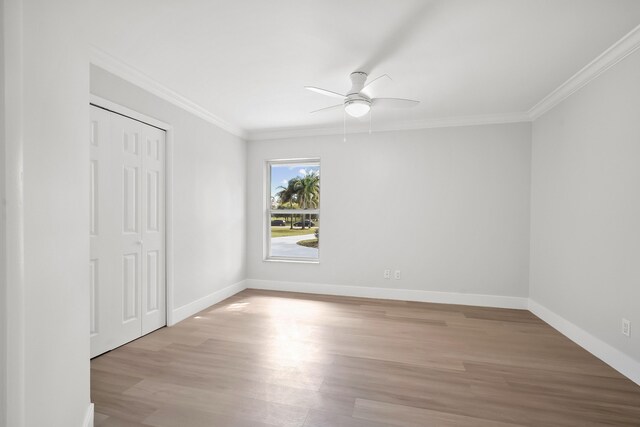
(356, 103)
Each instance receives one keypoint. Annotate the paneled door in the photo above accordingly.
(127, 229)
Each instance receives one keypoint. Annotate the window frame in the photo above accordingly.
(268, 210)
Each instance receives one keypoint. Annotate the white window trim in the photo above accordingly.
(267, 212)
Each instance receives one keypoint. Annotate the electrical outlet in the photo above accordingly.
(396, 275)
(387, 274)
(626, 327)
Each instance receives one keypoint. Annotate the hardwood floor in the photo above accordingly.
(283, 359)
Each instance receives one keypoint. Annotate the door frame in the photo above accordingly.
(168, 227)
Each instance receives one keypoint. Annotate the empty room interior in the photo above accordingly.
(337, 213)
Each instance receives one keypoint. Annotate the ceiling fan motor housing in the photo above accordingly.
(358, 79)
(357, 104)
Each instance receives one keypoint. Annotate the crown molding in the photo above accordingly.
(117, 67)
(607, 59)
(488, 119)
(614, 54)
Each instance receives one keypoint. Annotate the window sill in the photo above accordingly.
(292, 260)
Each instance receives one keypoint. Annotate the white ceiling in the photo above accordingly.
(246, 61)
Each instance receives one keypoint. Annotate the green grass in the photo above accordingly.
(285, 231)
(311, 243)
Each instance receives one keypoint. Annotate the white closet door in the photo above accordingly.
(102, 190)
(153, 234)
(126, 138)
(127, 259)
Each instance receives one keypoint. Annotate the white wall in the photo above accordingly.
(448, 207)
(46, 119)
(3, 240)
(585, 218)
(209, 183)
(14, 289)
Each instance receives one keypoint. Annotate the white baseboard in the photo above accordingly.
(392, 294)
(88, 416)
(181, 313)
(610, 355)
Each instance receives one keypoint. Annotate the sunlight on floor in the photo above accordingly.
(294, 343)
(238, 306)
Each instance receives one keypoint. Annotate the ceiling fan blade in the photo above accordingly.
(324, 92)
(327, 108)
(394, 102)
(376, 79)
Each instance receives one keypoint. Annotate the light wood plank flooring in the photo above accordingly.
(281, 359)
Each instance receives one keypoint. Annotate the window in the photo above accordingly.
(293, 210)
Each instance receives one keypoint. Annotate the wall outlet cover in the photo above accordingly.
(626, 327)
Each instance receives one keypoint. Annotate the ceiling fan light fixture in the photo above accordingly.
(357, 107)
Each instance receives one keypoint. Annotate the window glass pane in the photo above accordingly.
(295, 235)
(295, 186)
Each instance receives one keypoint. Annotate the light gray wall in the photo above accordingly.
(585, 218)
(54, 139)
(209, 188)
(3, 242)
(448, 207)
(14, 252)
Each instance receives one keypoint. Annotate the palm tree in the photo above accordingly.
(303, 191)
(307, 191)
(288, 195)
